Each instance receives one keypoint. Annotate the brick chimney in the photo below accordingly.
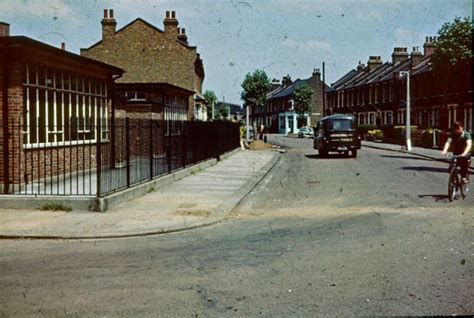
(316, 74)
(429, 46)
(171, 25)
(182, 35)
(4, 29)
(415, 56)
(360, 67)
(399, 54)
(275, 84)
(286, 81)
(374, 63)
(108, 24)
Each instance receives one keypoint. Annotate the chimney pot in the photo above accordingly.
(183, 31)
(63, 46)
(173, 15)
(106, 14)
(168, 14)
(111, 13)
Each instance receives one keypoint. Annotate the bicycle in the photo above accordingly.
(455, 184)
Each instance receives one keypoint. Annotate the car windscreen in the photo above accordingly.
(341, 124)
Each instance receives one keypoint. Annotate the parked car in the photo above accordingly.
(306, 132)
(337, 133)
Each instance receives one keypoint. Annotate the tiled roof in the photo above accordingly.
(373, 76)
(343, 79)
(288, 90)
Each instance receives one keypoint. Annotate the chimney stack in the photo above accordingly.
(399, 54)
(182, 35)
(317, 74)
(108, 24)
(4, 29)
(171, 25)
(275, 84)
(429, 46)
(286, 81)
(374, 63)
(415, 56)
(360, 67)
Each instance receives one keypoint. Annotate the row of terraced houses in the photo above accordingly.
(376, 93)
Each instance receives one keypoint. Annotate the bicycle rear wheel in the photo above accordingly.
(464, 189)
(453, 184)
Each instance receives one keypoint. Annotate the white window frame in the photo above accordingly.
(56, 136)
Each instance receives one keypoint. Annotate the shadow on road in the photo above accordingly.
(329, 156)
(405, 157)
(428, 169)
(436, 197)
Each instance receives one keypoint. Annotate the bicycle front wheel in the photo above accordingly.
(453, 184)
(464, 189)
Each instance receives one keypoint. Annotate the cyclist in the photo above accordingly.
(461, 145)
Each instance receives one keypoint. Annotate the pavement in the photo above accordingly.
(204, 198)
(433, 154)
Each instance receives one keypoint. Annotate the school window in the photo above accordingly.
(62, 107)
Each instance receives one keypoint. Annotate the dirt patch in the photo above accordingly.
(259, 145)
(200, 213)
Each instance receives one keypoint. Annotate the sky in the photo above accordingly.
(237, 37)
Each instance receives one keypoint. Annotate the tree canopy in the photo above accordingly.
(256, 86)
(211, 99)
(302, 97)
(453, 48)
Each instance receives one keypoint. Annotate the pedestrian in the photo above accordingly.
(461, 143)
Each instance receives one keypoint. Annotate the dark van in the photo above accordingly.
(337, 133)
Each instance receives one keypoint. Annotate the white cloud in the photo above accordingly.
(405, 36)
(35, 8)
(310, 45)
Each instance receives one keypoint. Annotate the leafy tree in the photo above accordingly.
(256, 86)
(453, 48)
(224, 110)
(302, 98)
(211, 99)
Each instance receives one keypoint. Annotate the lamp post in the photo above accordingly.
(408, 132)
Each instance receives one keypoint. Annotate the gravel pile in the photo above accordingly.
(259, 145)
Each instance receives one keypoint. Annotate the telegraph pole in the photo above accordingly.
(324, 91)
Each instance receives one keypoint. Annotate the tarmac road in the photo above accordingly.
(373, 235)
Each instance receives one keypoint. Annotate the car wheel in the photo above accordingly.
(323, 153)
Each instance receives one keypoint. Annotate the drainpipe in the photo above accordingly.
(6, 136)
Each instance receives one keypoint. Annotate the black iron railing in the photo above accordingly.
(96, 161)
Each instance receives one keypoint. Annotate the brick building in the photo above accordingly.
(279, 114)
(376, 93)
(163, 72)
(55, 110)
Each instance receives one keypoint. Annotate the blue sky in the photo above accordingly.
(236, 37)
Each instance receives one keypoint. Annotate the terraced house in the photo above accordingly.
(164, 74)
(376, 93)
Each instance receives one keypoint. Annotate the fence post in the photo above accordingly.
(151, 149)
(184, 144)
(127, 148)
(218, 150)
(169, 146)
(99, 156)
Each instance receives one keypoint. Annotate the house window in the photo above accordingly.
(135, 95)
(389, 118)
(61, 108)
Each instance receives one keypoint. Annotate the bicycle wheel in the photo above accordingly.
(453, 184)
(465, 188)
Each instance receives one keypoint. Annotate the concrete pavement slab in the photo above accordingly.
(202, 198)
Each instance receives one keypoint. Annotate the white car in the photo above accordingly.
(306, 132)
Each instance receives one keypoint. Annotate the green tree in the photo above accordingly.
(302, 98)
(211, 99)
(224, 110)
(453, 48)
(256, 86)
